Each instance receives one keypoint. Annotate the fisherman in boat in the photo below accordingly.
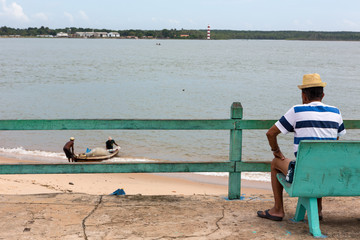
(110, 144)
(69, 149)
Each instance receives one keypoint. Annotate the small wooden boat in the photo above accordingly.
(84, 158)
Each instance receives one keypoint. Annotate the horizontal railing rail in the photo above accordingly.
(144, 124)
(234, 166)
(133, 167)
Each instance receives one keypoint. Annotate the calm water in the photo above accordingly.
(181, 79)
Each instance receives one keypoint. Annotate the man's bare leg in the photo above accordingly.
(278, 165)
(319, 202)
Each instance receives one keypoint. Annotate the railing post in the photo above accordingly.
(235, 152)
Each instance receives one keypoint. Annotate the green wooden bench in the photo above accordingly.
(323, 168)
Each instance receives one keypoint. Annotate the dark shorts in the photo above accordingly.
(290, 174)
(68, 153)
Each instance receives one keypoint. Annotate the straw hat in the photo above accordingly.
(312, 80)
(72, 138)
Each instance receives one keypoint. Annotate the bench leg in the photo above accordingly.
(309, 205)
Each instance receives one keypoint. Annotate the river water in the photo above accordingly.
(178, 79)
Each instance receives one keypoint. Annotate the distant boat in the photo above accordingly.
(83, 157)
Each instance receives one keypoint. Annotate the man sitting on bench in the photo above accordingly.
(311, 120)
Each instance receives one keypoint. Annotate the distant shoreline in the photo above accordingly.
(201, 34)
(121, 38)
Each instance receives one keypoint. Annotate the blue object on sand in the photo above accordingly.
(118, 192)
(88, 150)
(242, 197)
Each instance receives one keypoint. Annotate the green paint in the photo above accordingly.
(116, 168)
(234, 189)
(234, 166)
(326, 168)
(110, 124)
(252, 167)
(323, 168)
(146, 124)
(352, 124)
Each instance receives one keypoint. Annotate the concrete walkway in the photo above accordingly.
(81, 216)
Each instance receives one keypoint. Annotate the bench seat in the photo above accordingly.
(323, 168)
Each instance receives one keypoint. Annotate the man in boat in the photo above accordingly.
(69, 149)
(110, 143)
(310, 120)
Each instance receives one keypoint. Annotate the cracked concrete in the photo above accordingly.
(92, 217)
(84, 220)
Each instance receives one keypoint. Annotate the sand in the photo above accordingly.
(156, 206)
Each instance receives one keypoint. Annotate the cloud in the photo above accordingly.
(304, 25)
(351, 24)
(69, 17)
(13, 10)
(75, 17)
(41, 16)
(83, 15)
(174, 21)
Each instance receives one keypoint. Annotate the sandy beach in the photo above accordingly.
(156, 206)
(132, 183)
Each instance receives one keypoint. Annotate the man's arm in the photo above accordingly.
(272, 138)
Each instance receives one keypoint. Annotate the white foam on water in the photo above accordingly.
(251, 176)
(20, 151)
(128, 159)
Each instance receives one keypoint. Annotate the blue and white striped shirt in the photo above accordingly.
(312, 121)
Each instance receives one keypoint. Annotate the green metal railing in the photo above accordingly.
(234, 166)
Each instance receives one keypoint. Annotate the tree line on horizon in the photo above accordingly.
(192, 34)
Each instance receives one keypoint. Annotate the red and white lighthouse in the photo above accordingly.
(208, 33)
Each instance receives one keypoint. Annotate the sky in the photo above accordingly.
(302, 15)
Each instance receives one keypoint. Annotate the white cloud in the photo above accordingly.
(41, 16)
(174, 21)
(304, 25)
(69, 17)
(14, 11)
(351, 24)
(308, 22)
(83, 15)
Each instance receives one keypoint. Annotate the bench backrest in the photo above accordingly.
(327, 168)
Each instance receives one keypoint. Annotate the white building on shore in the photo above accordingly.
(113, 34)
(100, 34)
(61, 34)
(96, 35)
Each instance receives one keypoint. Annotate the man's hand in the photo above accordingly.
(271, 135)
(278, 154)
